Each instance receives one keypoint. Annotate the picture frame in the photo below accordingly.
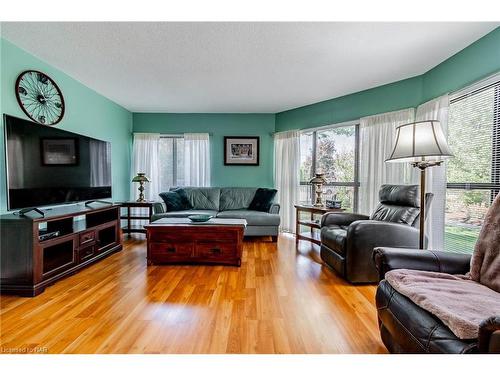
(59, 151)
(239, 150)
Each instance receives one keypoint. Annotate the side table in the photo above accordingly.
(313, 223)
(130, 216)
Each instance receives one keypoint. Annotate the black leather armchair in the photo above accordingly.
(407, 328)
(348, 239)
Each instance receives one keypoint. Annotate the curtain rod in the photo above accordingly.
(173, 135)
(324, 127)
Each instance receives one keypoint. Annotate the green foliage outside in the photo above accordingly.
(460, 240)
(335, 158)
(470, 139)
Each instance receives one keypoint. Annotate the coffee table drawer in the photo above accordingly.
(172, 249)
(216, 250)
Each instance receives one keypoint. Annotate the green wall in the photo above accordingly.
(477, 61)
(220, 125)
(473, 63)
(397, 95)
(91, 114)
(87, 113)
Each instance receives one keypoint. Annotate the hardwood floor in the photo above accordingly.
(279, 301)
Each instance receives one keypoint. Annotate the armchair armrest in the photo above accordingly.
(387, 259)
(489, 335)
(341, 218)
(363, 236)
(159, 208)
(275, 208)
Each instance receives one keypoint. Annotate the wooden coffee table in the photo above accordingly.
(178, 240)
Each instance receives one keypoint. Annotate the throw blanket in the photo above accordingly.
(460, 303)
(485, 262)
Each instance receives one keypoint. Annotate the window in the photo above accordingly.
(171, 155)
(473, 174)
(334, 152)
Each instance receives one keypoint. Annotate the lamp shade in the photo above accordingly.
(420, 141)
(141, 177)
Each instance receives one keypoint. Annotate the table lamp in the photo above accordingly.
(318, 181)
(423, 144)
(141, 179)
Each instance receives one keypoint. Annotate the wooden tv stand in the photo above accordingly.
(28, 263)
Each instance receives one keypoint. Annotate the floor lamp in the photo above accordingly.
(424, 145)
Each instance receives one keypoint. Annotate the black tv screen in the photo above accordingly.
(48, 166)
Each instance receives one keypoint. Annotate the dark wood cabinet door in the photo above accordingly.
(57, 257)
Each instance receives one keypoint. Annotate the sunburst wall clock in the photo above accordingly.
(39, 97)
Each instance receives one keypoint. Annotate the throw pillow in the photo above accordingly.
(176, 200)
(263, 199)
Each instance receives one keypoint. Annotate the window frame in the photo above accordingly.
(354, 184)
(174, 137)
(494, 185)
(490, 188)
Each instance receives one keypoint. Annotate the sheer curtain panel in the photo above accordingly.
(145, 159)
(197, 159)
(376, 141)
(286, 175)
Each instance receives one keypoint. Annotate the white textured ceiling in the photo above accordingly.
(239, 67)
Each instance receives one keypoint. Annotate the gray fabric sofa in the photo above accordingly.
(230, 203)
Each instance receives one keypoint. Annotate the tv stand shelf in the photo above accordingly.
(37, 251)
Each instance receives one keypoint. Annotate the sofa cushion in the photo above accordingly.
(334, 237)
(184, 213)
(176, 200)
(252, 217)
(236, 198)
(203, 198)
(263, 199)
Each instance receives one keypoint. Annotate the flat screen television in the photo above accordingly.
(47, 166)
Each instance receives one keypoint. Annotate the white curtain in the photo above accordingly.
(100, 163)
(286, 175)
(145, 159)
(436, 109)
(196, 159)
(377, 137)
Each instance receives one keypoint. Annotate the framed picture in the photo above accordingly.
(241, 150)
(59, 151)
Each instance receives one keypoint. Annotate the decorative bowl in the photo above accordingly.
(199, 218)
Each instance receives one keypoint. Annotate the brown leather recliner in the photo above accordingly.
(406, 327)
(348, 239)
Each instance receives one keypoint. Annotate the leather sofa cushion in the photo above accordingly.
(399, 195)
(252, 217)
(411, 329)
(236, 198)
(335, 237)
(395, 214)
(203, 198)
